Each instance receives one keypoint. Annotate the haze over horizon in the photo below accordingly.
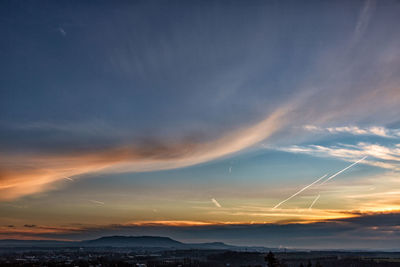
(270, 123)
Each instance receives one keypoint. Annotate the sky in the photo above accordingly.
(196, 120)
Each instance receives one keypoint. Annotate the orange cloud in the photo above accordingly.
(77, 232)
(27, 174)
(23, 174)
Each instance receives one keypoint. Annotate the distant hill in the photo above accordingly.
(125, 241)
(134, 241)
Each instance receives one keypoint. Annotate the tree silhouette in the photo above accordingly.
(309, 264)
(271, 260)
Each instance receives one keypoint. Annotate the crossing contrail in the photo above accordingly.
(339, 172)
(301, 190)
(319, 179)
(315, 200)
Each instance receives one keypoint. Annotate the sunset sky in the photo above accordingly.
(194, 119)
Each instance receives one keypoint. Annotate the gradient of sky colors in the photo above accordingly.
(194, 119)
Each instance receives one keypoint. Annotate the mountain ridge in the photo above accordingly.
(124, 241)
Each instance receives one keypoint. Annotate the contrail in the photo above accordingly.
(68, 178)
(97, 202)
(339, 172)
(315, 200)
(301, 190)
(216, 203)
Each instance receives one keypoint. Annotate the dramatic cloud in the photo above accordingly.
(387, 157)
(28, 172)
(361, 231)
(235, 75)
(24, 174)
(97, 116)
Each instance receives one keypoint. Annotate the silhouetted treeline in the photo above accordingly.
(193, 258)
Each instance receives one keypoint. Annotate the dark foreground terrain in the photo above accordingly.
(152, 251)
(109, 256)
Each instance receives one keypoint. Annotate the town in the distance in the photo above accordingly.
(143, 251)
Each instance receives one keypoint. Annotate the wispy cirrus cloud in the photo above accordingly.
(387, 157)
(363, 85)
(355, 130)
(22, 174)
(363, 20)
(32, 172)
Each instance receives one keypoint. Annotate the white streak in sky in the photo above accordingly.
(363, 20)
(301, 190)
(68, 178)
(62, 31)
(339, 172)
(382, 156)
(216, 203)
(355, 130)
(315, 200)
(97, 202)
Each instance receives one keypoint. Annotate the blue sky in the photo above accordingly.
(135, 112)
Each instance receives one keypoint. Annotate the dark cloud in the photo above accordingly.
(371, 231)
(30, 225)
(377, 219)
